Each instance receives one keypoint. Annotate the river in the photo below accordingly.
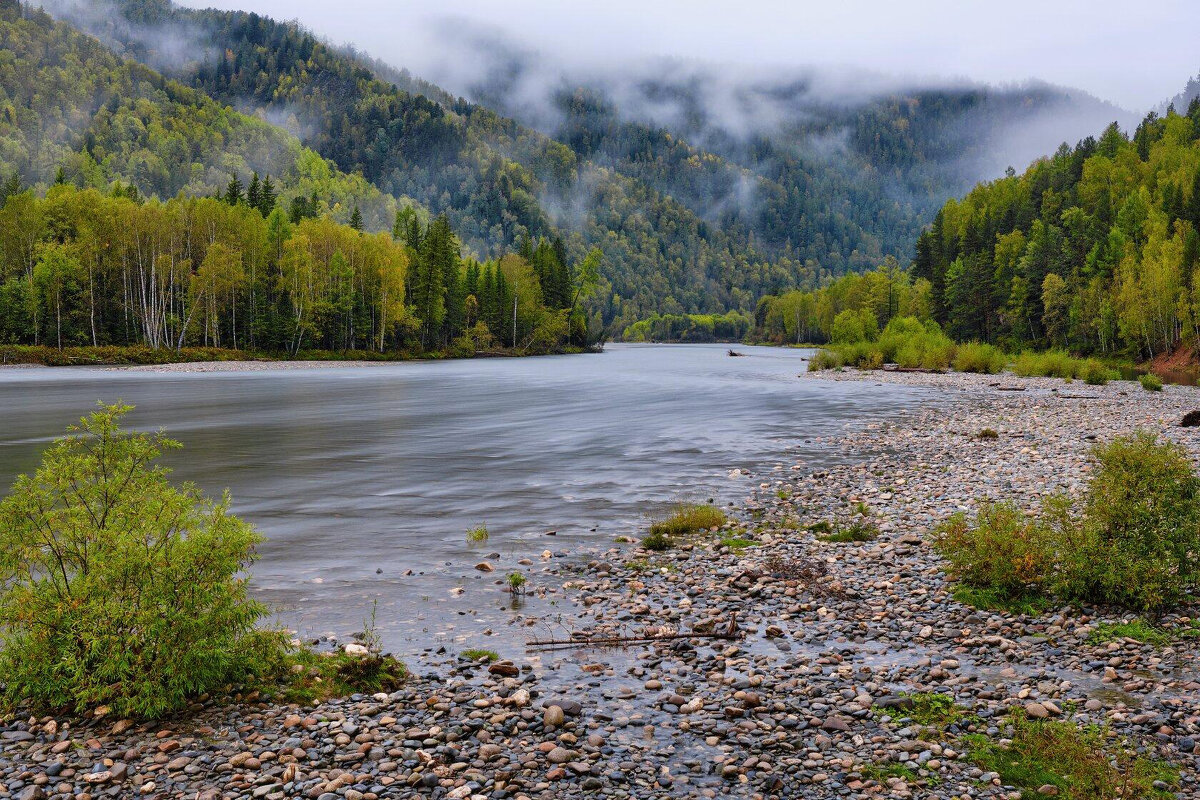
(366, 479)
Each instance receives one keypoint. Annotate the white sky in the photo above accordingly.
(1134, 54)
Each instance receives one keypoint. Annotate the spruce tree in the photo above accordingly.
(254, 192)
(356, 219)
(233, 192)
(269, 197)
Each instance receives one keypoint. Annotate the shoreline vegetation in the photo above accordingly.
(860, 663)
(28, 355)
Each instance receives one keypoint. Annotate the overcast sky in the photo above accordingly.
(1133, 54)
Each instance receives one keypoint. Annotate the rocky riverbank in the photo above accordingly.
(810, 700)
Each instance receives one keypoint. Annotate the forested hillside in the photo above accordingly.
(1095, 249)
(684, 229)
(71, 110)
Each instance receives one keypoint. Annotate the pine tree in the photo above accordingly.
(268, 198)
(233, 192)
(356, 219)
(428, 290)
(254, 192)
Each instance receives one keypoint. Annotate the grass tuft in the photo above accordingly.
(1080, 762)
(479, 654)
(689, 518)
(479, 534)
(1137, 629)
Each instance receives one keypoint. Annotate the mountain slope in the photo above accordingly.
(1096, 248)
(692, 214)
(68, 103)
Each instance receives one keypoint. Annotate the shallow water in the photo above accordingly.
(360, 474)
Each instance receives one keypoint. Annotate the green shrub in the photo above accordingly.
(689, 518)
(657, 542)
(1151, 382)
(824, 359)
(988, 433)
(1094, 373)
(981, 358)
(1049, 364)
(479, 654)
(1138, 544)
(117, 588)
(1081, 763)
(1006, 550)
(477, 534)
(913, 344)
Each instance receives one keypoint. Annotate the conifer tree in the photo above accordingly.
(254, 192)
(233, 192)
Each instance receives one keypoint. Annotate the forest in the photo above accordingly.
(1094, 249)
(82, 267)
(685, 230)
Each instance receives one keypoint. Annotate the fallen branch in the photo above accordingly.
(732, 631)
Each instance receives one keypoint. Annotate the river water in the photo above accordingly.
(365, 479)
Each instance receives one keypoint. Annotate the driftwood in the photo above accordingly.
(1080, 396)
(731, 631)
(735, 354)
(898, 368)
(1000, 388)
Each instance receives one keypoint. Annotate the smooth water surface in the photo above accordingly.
(360, 474)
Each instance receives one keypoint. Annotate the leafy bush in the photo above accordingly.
(1139, 542)
(916, 345)
(1049, 364)
(1136, 544)
(1151, 382)
(1094, 373)
(1005, 550)
(825, 359)
(689, 518)
(117, 588)
(982, 358)
(988, 433)
(657, 542)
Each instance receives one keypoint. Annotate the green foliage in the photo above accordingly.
(1092, 249)
(737, 543)
(1083, 763)
(307, 677)
(1151, 382)
(857, 532)
(1140, 541)
(985, 359)
(1138, 630)
(931, 709)
(1005, 550)
(478, 534)
(1049, 364)
(220, 275)
(732, 326)
(987, 433)
(995, 600)
(479, 654)
(881, 774)
(117, 588)
(657, 541)
(1094, 373)
(516, 582)
(1136, 544)
(689, 518)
